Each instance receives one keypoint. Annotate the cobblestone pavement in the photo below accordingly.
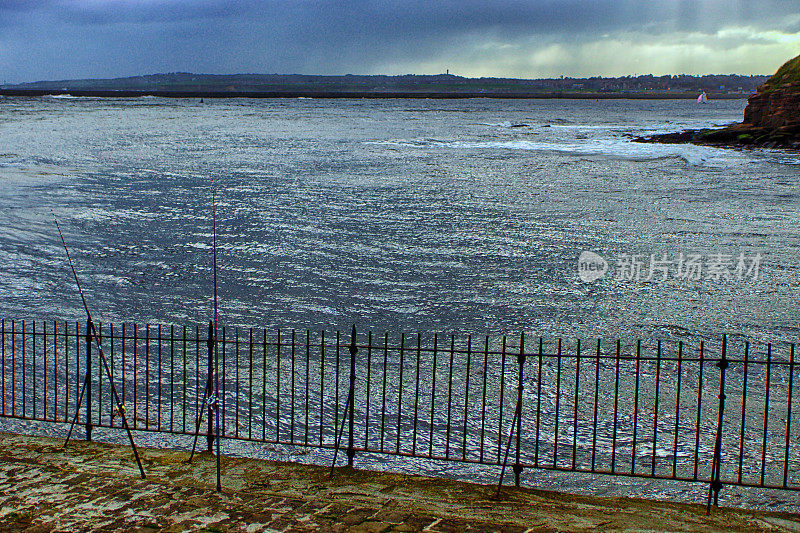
(96, 487)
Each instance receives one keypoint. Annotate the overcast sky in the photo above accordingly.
(65, 39)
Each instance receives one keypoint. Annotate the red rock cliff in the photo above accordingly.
(776, 104)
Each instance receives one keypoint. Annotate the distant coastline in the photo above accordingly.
(443, 95)
(188, 85)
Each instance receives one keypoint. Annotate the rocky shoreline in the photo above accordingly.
(734, 136)
(771, 118)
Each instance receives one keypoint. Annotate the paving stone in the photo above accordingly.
(371, 527)
(45, 487)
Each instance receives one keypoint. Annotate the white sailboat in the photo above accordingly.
(702, 99)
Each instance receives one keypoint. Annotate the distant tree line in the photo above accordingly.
(182, 81)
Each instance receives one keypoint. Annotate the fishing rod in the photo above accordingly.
(216, 321)
(211, 395)
(207, 395)
(93, 332)
(348, 407)
(516, 421)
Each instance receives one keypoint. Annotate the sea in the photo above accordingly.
(463, 216)
(473, 216)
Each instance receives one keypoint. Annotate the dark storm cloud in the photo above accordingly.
(21, 5)
(124, 37)
(382, 19)
(146, 12)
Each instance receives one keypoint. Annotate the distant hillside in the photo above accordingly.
(410, 83)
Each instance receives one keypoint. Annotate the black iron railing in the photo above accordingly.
(720, 414)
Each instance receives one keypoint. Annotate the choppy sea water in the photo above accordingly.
(414, 215)
(399, 215)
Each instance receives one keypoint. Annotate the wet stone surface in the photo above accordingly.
(96, 487)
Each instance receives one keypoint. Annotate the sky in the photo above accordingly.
(70, 39)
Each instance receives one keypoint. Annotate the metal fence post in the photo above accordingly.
(521, 363)
(209, 391)
(88, 380)
(716, 484)
(351, 451)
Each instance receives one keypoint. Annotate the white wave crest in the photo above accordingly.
(614, 147)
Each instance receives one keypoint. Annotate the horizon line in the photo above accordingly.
(560, 77)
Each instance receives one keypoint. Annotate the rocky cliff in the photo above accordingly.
(776, 104)
(771, 118)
